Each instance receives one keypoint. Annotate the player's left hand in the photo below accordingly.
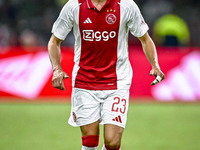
(159, 75)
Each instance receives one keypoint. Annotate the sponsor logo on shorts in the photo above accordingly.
(74, 116)
(117, 119)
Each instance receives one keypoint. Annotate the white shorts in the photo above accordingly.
(108, 106)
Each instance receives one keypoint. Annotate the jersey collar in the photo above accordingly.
(91, 6)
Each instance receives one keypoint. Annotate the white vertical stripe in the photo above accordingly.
(123, 67)
(77, 45)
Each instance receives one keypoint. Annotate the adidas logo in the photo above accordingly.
(118, 119)
(87, 21)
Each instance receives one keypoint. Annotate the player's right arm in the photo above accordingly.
(54, 55)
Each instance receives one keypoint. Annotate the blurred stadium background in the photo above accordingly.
(33, 115)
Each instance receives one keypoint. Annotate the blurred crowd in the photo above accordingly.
(29, 22)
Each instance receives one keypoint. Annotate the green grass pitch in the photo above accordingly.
(25, 126)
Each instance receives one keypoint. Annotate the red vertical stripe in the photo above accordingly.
(120, 120)
(99, 43)
(116, 119)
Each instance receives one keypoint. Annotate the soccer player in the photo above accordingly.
(102, 73)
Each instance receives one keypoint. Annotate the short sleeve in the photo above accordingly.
(136, 23)
(64, 23)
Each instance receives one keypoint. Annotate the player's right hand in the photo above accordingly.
(57, 80)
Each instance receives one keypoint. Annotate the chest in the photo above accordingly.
(107, 19)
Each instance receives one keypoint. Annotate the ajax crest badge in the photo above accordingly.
(111, 19)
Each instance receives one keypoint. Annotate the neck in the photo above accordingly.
(99, 3)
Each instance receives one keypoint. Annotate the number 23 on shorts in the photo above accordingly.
(119, 105)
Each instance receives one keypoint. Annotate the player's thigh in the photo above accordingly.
(85, 109)
(112, 134)
(115, 108)
(90, 129)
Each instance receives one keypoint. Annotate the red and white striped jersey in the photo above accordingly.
(101, 41)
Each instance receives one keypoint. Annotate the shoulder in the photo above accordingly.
(69, 8)
(70, 5)
(129, 5)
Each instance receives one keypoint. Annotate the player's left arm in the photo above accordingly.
(151, 54)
